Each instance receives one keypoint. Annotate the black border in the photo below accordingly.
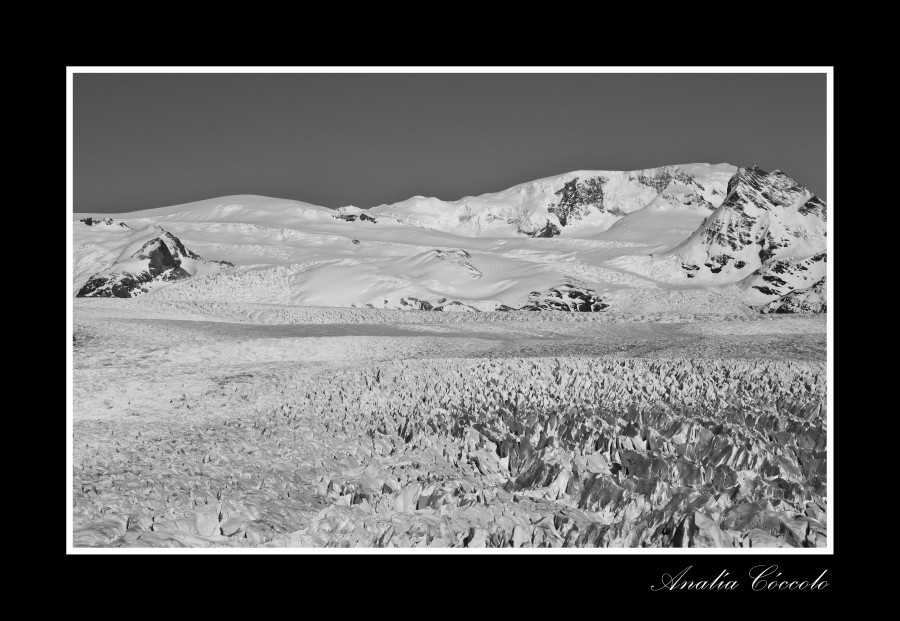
(583, 579)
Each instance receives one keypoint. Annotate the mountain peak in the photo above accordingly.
(569, 202)
(768, 227)
(160, 259)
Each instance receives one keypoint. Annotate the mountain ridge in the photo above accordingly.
(688, 225)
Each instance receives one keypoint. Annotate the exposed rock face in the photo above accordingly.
(161, 259)
(768, 225)
(454, 306)
(350, 217)
(548, 230)
(577, 197)
(780, 278)
(811, 300)
(657, 178)
(417, 304)
(106, 222)
(816, 207)
(572, 296)
(441, 304)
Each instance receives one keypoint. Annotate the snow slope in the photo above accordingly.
(574, 241)
(566, 202)
(768, 235)
(151, 257)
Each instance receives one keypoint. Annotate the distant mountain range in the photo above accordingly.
(574, 242)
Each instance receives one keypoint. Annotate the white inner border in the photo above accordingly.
(71, 71)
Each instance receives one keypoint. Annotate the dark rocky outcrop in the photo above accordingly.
(570, 297)
(350, 217)
(157, 260)
(813, 299)
(783, 277)
(576, 198)
(548, 230)
(417, 304)
(107, 222)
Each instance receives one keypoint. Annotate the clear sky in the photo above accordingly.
(152, 140)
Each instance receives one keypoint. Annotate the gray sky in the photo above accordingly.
(152, 140)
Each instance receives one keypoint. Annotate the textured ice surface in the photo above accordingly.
(518, 432)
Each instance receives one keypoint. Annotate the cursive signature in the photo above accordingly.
(762, 578)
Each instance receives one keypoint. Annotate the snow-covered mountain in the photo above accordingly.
(581, 241)
(582, 200)
(768, 235)
(160, 258)
(766, 218)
